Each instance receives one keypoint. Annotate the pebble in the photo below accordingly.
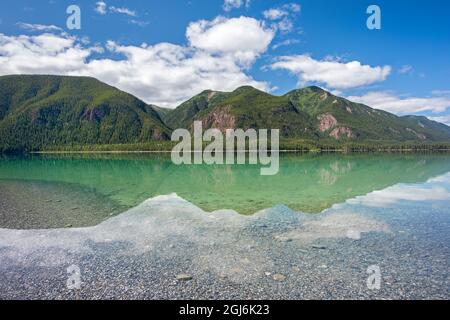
(283, 239)
(183, 277)
(318, 247)
(279, 277)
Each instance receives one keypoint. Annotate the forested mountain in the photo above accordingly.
(44, 111)
(309, 113)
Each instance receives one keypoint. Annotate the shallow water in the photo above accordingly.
(390, 211)
(307, 183)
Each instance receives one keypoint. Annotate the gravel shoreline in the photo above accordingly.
(169, 249)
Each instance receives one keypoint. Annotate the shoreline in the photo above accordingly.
(278, 261)
(247, 151)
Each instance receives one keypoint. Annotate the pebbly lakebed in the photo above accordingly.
(171, 246)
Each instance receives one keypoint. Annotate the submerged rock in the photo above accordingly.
(282, 238)
(183, 277)
(279, 277)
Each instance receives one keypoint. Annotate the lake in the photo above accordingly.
(311, 231)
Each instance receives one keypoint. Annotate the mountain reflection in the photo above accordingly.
(308, 183)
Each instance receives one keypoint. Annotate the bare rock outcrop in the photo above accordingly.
(326, 122)
(340, 132)
(221, 119)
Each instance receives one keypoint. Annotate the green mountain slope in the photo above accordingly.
(162, 112)
(309, 113)
(44, 111)
(245, 108)
(48, 112)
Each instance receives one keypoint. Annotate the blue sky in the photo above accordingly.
(167, 51)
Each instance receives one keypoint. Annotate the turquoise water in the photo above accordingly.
(308, 183)
(361, 210)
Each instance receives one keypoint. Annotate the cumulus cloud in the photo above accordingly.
(38, 27)
(46, 54)
(101, 7)
(167, 74)
(392, 103)
(229, 5)
(274, 14)
(333, 74)
(244, 38)
(164, 74)
(281, 12)
(281, 17)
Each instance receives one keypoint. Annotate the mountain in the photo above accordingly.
(162, 112)
(48, 112)
(309, 113)
(246, 107)
(43, 111)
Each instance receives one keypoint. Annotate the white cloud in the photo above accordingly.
(167, 74)
(164, 74)
(229, 5)
(244, 38)
(400, 193)
(281, 12)
(435, 189)
(334, 74)
(282, 17)
(294, 7)
(286, 25)
(100, 7)
(275, 14)
(443, 119)
(286, 42)
(125, 11)
(139, 23)
(405, 69)
(38, 27)
(441, 92)
(392, 103)
(46, 53)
